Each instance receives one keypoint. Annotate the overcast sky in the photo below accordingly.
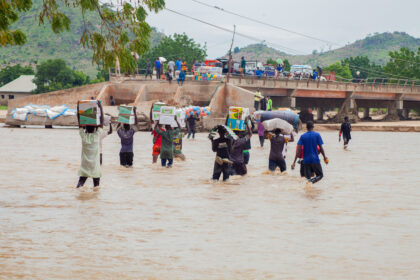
(338, 21)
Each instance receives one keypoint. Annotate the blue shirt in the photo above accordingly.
(178, 65)
(310, 142)
(157, 64)
(126, 140)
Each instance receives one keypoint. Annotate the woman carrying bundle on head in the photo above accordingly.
(90, 135)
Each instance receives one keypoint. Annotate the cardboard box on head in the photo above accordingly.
(237, 117)
(156, 110)
(89, 112)
(126, 114)
(167, 115)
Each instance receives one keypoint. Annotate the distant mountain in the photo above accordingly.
(376, 47)
(42, 43)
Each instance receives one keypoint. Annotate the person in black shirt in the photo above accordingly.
(191, 125)
(263, 104)
(276, 158)
(345, 131)
(221, 146)
(237, 152)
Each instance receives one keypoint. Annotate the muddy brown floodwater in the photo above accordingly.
(360, 222)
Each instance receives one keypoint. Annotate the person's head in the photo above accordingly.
(277, 131)
(243, 57)
(310, 125)
(90, 129)
(126, 126)
(346, 119)
(111, 97)
(168, 127)
(222, 131)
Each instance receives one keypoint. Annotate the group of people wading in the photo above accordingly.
(232, 151)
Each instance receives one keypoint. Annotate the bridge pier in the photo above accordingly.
(319, 114)
(395, 108)
(366, 112)
(405, 113)
(349, 108)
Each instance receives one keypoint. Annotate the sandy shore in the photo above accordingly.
(401, 126)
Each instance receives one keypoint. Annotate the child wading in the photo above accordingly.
(90, 165)
(177, 145)
(126, 134)
(221, 146)
(278, 142)
(345, 131)
(166, 151)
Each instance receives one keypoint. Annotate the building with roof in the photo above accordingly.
(21, 87)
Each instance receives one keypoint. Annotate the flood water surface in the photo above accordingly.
(360, 222)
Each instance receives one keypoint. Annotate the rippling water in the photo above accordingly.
(360, 222)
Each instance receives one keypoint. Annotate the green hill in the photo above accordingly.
(42, 43)
(376, 47)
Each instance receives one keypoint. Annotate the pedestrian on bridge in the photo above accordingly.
(158, 68)
(257, 99)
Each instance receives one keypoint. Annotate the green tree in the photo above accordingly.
(174, 47)
(404, 63)
(363, 65)
(123, 27)
(341, 72)
(286, 64)
(271, 61)
(55, 75)
(11, 73)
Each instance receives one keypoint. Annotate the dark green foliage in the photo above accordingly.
(55, 75)
(178, 46)
(286, 65)
(364, 66)
(341, 71)
(11, 73)
(404, 63)
(100, 28)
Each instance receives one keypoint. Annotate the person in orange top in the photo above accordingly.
(184, 66)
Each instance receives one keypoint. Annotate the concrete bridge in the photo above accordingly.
(232, 91)
(348, 97)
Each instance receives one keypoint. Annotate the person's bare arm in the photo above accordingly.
(151, 114)
(102, 114)
(110, 128)
(78, 116)
(248, 129)
(321, 150)
(136, 121)
(298, 151)
(176, 119)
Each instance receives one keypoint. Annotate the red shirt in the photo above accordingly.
(158, 138)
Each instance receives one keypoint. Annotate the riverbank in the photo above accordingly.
(399, 126)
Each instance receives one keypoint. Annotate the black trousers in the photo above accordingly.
(219, 169)
(82, 181)
(126, 158)
(313, 168)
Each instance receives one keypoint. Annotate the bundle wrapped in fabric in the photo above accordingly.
(277, 123)
(89, 112)
(286, 115)
(237, 117)
(126, 114)
(42, 111)
(213, 133)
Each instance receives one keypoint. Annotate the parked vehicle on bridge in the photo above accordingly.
(300, 71)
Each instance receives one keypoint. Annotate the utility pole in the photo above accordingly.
(230, 54)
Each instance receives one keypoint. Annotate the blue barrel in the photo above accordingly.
(285, 115)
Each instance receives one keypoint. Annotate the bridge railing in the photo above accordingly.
(370, 84)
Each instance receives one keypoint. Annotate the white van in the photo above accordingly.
(301, 71)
